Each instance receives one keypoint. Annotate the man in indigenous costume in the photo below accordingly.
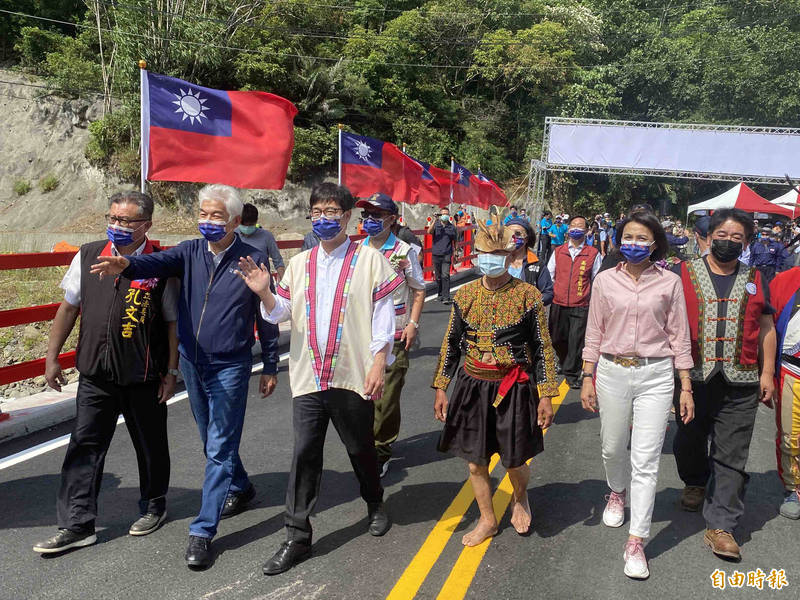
(732, 331)
(337, 359)
(380, 214)
(502, 396)
(785, 291)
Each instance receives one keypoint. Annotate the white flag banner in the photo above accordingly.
(702, 149)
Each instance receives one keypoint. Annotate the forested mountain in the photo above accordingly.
(469, 78)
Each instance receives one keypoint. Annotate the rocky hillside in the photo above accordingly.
(43, 142)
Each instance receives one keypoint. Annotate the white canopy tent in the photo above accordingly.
(741, 196)
(790, 200)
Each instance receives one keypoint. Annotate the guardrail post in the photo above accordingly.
(427, 256)
(467, 262)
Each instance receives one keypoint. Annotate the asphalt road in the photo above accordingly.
(569, 554)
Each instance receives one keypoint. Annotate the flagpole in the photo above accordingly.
(403, 206)
(452, 172)
(142, 149)
(340, 153)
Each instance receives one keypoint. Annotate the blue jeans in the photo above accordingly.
(218, 396)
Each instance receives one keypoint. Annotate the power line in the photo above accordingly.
(680, 7)
(52, 89)
(463, 41)
(381, 63)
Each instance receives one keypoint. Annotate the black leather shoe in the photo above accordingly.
(236, 503)
(198, 552)
(288, 555)
(379, 522)
(65, 540)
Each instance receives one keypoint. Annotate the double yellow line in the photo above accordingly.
(460, 578)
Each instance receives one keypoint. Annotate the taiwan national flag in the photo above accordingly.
(370, 166)
(466, 187)
(490, 193)
(194, 133)
(434, 187)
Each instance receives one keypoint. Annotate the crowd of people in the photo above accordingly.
(610, 305)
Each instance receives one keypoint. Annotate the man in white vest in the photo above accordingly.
(379, 215)
(337, 359)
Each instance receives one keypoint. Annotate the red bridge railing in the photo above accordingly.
(46, 312)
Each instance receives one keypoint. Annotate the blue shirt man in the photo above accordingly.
(544, 225)
(216, 317)
(558, 232)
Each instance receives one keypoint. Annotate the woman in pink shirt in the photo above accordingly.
(637, 336)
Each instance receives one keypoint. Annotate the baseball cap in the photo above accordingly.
(379, 201)
(701, 225)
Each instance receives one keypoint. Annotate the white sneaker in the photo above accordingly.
(635, 560)
(614, 514)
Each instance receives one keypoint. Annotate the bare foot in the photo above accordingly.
(483, 530)
(521, 515)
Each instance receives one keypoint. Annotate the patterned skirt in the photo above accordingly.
(474, 429)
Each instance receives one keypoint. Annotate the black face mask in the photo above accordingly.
(726, 251)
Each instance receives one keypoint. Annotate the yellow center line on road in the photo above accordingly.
(460, 578)
(414, 576)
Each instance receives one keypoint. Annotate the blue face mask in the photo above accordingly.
(247, 229)
(373, 226)
(576, 234)
(492, 265)
(120, 236)
(326, 229)
(635, 252)
(213, 231)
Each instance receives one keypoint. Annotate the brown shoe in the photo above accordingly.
(722, 543)
(693, 497)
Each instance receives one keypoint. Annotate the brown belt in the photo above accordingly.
(633, 361)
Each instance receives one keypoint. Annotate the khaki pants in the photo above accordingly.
(387, 409)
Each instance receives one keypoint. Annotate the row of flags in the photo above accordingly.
(245, 139)
(368, 165)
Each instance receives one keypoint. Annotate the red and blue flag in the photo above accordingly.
(434, 186)
(370, 166)
(491, 194)
(466, 187)
(195, 133)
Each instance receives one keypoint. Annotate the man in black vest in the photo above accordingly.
(127, 358)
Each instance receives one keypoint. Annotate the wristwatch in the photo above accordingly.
(173, 372)
(414, 323)
(584, 374)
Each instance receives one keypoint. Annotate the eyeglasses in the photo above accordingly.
(328, 213)
(124, 221)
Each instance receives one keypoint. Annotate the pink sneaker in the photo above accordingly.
(635, 560)
(614, 514)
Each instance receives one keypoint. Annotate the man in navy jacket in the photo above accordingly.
(216, 317)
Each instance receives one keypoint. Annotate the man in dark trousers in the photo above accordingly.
(216, 318)
(127, 358)
(339, 299)
(444, 234)
(733, 346)
(572, 267)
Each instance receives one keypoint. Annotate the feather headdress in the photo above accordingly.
(491, 238)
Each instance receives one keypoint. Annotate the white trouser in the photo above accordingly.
(648, 391)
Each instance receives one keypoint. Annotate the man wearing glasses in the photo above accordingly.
(127, 358)
(337, 359)
(732, 332)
